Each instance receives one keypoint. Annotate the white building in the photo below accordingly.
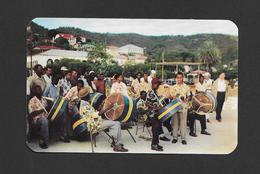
(55, 54)
(131, 49)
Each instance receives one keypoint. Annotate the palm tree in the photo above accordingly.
(209, 54)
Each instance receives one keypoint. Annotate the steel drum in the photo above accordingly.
(79, 124)
(95, 99)
(203, 102)
(120, 108)
(58, 108)
(169, 109)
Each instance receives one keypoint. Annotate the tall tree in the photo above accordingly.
(209, 54)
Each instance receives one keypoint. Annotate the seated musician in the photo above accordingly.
(154, 106)
(200, 87)
(114, 130)
(72, 109)
(37, 108)
(141, 105)
(182, 91)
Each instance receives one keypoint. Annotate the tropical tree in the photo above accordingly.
(209, 54)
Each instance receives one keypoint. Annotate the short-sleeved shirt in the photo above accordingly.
(145, 86)
(65, 85)
(51, 92)
(119, 88)
(136, 85)
(36, 104)
(72, 96)
(201, 87)
(181, 90)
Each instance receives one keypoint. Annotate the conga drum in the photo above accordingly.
(58, 108)
(119, 107)
(167, 111)
(203, 102)
(95, 99)
(79, 124)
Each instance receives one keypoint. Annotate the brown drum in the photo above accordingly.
(203, 102)
(119, 107)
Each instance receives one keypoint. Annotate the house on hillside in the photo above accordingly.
(70, 37)
(131, 49)
(126, 54)
(52, 55)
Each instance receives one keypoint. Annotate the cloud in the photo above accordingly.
(143, 26)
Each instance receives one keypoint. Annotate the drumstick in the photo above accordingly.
(41, 105)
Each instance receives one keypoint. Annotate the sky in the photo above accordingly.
(154, 27)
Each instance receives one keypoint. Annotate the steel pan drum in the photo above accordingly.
(169, 110)
(58, 108)
(120, 108)
(79, 124)
(204, 102)
(95, 99)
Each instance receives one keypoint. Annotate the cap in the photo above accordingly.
(64, 68)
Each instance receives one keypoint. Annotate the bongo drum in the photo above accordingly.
(79, 124)
(119, 107)
(167, 111)
(96, 99)
(58, 108)
(203, 102)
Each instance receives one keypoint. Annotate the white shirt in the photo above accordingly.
(119, 88)
(221, 85)
(208, 83)
(47, 80)
(201, 87)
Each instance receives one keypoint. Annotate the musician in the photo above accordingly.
(220, 90)
(118, 86)
(114, 128)
(73, 98)
(201, 86)
(37, 78)
(37, 108)
(182, 91)
(154, 106)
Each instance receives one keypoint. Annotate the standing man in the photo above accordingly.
(208, 83)
(101, 84)
(201, 86)
(53, 90)
(47, 77)
(64, 84)
(136, 84)
(145, 85)
(74, 78)
(37, 78)
(220, 91)
(182, 91)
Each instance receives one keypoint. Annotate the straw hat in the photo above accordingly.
(84, 92)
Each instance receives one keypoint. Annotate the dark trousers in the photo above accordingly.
(43, 125)
(220, 102)
(156, 130)
(168, 125)
(192, 117)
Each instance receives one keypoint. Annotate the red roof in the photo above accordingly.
(46, 47)
(66, 36)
